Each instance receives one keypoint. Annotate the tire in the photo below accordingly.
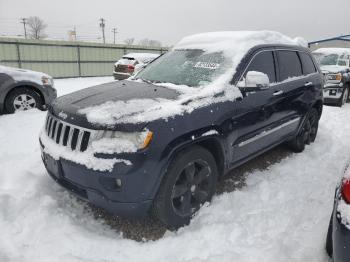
(329, 239)
(189, 182)
(344, 98)
(307, 133)
(22, 99)
(348, 98)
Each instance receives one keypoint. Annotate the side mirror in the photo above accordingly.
(256, 80)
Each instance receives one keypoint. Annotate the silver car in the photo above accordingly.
(24, 89)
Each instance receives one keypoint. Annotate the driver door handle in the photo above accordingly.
(278, 93)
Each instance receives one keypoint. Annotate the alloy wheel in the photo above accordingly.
(24, 102)
(192, 188)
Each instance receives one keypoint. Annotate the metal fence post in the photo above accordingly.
(79, 62)
(18, 55)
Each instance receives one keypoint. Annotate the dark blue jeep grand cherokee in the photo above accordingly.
(157, 143)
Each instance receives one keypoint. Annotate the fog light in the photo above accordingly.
(118, 183)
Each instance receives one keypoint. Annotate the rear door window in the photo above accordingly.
(289, 64)
(308, 64)
(263, 62)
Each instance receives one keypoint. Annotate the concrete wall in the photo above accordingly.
(65, 59)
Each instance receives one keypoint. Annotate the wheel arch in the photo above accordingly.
(211, 143)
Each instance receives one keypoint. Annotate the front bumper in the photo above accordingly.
(340, 236)
(332, 93)
(133, 198)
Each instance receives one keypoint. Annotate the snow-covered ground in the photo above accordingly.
(281, 214)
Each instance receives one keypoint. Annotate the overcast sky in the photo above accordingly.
(169, 21)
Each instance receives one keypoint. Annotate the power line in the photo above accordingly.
(102, 25)
(114, 30)
(24, 22)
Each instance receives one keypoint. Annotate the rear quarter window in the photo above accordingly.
(289, 64)
(308, 64)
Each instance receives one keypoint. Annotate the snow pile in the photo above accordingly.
(234, 46)
(122, 111)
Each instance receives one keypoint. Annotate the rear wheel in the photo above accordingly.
(22, 99)
(307, 133)
(189, 182)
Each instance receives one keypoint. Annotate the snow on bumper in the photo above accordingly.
(85, 158)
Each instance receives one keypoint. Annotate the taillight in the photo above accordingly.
(345, 190)
(130, 68)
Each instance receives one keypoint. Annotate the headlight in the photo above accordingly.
(139, 139)
(110, 142)
(47, 81)
(334, 77)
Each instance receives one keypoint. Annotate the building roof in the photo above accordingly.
(341, 38)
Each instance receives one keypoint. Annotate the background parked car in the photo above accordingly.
(338, 236)
(131, 63)
(24, 89)
(335, 64)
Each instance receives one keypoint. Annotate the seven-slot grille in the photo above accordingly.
(62, 133)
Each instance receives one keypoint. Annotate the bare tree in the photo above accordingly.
(129, 41)
(150, 42)
(36, 27)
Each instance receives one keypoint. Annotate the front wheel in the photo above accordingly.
(22, 99)
(189, 182)
(307, 133)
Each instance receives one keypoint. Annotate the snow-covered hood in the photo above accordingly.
(128, 97)
(19, 74)
(333, 69)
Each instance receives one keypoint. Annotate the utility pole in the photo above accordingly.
(24, 22)
(102, 25)
(114, 30)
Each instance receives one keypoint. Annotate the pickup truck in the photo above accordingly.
(335, 65)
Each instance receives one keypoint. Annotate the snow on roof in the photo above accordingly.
(230, 40)
(333, 50)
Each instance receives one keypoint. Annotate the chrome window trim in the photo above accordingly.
(268, 132)
(279, 49)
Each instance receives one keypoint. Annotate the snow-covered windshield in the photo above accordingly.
(191, 67)
(330, 59)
